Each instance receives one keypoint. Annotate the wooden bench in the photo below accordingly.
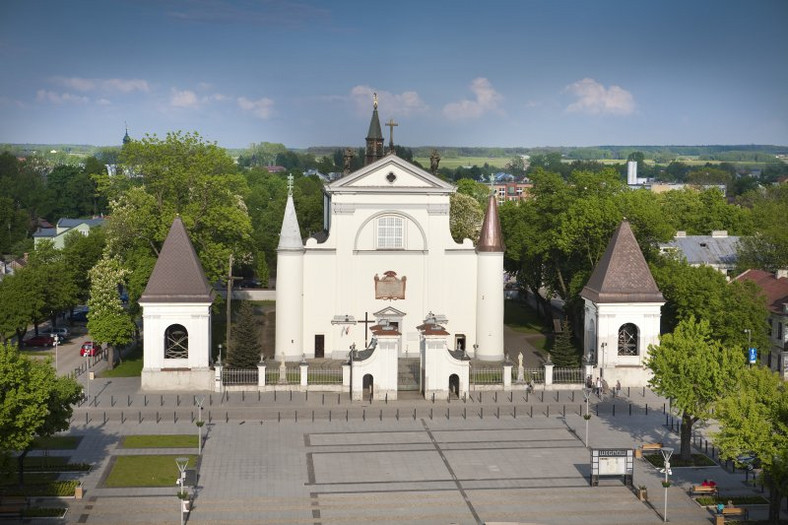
(12, 506)
(702, 489)
(735, 511)
(646, 447)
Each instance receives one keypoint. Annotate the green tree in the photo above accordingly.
(477, 190)
(767, 248)
(108, 322)
(753, 419)
(564, 353)
(51, 283)
(16, 299)
(34, 401)
(245, 349)
(694, 371)
(465, 217)
(80, 253)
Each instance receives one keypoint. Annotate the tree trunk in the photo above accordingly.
(774, 499)
(686, 436)
(111, 355)
(21, 467)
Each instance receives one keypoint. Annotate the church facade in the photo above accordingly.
(386, 262)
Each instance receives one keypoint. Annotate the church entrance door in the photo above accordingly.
(320, 345)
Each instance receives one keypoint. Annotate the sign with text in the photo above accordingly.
(753, 355)
(612, 462)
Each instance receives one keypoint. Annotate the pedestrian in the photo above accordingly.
(618, 387)
(599, 387)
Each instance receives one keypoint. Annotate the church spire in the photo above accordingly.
(491, 239)
(290, 235)
(374, 135)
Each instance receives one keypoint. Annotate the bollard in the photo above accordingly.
(296, 416)
(563, 411)
(364, 414)
(464, 413)
(146, 400)
(448, 415)
(174, 417)
(112, 401)
(532, 411)
(209, 417)
(339, 399)
(387, 398)
(480, 397)
(226, 417)
(243, 396)
(542, 396)
(161, 401)
(323, 401)
(274, 395)
(646, 408)
(291, 395)
(397, 416)
(381, 414)
(329, 415)
(628, 392)
(178, 400)
(614, 409)
(306, 395)
(597, 410)
(644, 391)
(464, 399)
(573, 396)
(191, 416)
(630, 409)
(430, 413)
(514, 412)
(129, 401)
(414, 414)
(105, 418)
(157, 417)
(258, 396)
(481, 412)
(557, 396)
(139, 417)
(495, 396)
(433, 398)
(279, 417)
(526, 396)
(664, 411)
(548, 411)
(347, 415)
(498, 412)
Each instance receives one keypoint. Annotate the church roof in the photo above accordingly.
(290, 235)
(622, 275)
(178, 276)
(374, 178)
(490, 238)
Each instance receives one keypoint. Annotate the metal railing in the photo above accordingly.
(567, 376)
(324, 376)
(535, 375)
(486, 375)
(239, 376)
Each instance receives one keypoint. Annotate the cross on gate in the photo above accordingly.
(366, 322)
(391, 124)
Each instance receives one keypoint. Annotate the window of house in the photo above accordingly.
(628, 340)
(176, 342)
(779, 331)
(390, 233)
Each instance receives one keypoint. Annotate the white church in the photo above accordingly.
(386, 285)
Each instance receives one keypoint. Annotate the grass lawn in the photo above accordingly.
(160, 441)
(521, 318)
(146, 471)
(130, 367)
(57, 442)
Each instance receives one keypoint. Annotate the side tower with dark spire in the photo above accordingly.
(374, 136)
(489, 286)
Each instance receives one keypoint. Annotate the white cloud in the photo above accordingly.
(108, 85)
(403, 104)
(261, 108)
(594, 99)
(487, 99)
(53, 97)
(183, 99)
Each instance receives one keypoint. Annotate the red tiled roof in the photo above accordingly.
(775, 290)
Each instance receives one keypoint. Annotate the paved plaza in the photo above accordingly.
(495, 457)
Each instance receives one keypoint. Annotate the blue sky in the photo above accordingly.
(451, 73)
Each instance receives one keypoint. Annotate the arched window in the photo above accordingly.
(390, 233)
(628, 340)
(176, 342)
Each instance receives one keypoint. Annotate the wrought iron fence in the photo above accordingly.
(486, 375)
(324, 376)
(273, 375)
(568, 375)
(239, 376)
(535, 375)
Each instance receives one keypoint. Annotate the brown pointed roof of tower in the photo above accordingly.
(622, 275)
(490, 238)
(178, 276)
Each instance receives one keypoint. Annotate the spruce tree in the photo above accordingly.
(564, 354)
(245, 348)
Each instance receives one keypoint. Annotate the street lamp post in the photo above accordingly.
(182, 462)
(87, 373)
(587, 394)
(55, 342)
(666, 453)
(200, 400)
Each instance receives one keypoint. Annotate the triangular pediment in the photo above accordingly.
(390, 174)
(388, 312)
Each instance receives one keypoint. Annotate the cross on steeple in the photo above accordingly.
(391, 124)
(290, 184)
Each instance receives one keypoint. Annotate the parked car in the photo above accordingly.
(89, 348)
(80, 316)
(249, 283)
(62, 333)
(40, 340)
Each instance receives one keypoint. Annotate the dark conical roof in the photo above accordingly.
(622, 275)
(374, 126)
(178, 276)
(490, 238)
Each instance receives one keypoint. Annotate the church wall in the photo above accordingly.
(289, 304)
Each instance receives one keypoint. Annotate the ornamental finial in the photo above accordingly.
(375, 100)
